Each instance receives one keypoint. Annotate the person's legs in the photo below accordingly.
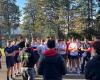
(8, 73)
(8, 68)
(25, 73)
(77, 61)
(73, 64)
(77, 64)
(12, 67)
(83, 64)
(64, 57)
(15, 69)
(18, 65)
(69, 62)
(12, 72)
(31, 73)
(88, 57)
(18, 69)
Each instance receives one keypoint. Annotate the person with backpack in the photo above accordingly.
(28, 63)
(51, 64)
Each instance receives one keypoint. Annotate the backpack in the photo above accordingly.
(24, 58)
(27, 56)
(36, 55)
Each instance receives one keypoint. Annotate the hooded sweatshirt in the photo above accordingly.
(92, 69)
(51, 65)
(50, 52)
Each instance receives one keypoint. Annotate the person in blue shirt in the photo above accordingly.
(9, 53)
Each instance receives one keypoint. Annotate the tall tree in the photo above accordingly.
(9, 16)
(52, 16)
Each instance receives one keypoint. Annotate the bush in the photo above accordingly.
(75, 35)
(90, 32)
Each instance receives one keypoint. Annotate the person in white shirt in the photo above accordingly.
(42, 47)
(73, 48)
(61, 47)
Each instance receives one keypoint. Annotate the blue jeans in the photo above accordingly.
(28, 74)
(31, 73)
(85, 59)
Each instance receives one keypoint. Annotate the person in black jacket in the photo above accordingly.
(51, 64)
(28, 63)
(92, 69)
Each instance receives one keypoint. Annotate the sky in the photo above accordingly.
(21, 3)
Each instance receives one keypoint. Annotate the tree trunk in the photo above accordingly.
(88, 25)
(91, 2)
(68, 12)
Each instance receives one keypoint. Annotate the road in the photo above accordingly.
(66, 77)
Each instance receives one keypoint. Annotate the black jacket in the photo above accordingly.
(51, 66)
(32, 58)
(92, 70)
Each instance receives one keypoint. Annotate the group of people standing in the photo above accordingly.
(22, 56)
(48, 57)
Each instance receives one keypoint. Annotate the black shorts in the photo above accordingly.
(9, 62)
(80, 53)
(17, 59)
(72, 57)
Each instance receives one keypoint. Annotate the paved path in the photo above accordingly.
(67, 77)
(3, 70)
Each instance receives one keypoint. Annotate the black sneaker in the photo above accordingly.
(7, 78)
(12, 77)
(19, 74)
